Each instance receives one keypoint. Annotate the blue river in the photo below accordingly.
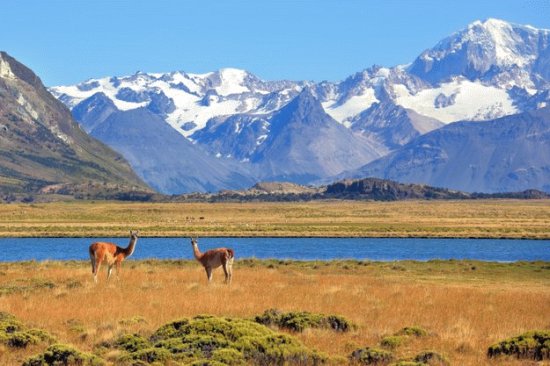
(376, 249)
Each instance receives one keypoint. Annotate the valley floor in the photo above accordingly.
(460, 219)
(465, 306)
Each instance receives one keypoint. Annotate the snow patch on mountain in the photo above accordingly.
(232, 82)
(469, 101)
(343, 112)
(79, 92)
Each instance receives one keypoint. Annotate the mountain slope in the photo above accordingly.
(504, 155)
(41, 144)
(392, 125)
(178, 166)
(305, 144)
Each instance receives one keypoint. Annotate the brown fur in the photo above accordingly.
(110, 253)
(214, 258)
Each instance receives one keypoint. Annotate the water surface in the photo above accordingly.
(379, 249)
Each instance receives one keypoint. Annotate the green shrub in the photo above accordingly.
(408, 363)
(171, 330)
(60, 354)
(14, 334)
(151, 355)
(392, 342)
(530, 345)
(229, 356)
(204, 362)
(339, 323)
(132, 342)
(21, 340)
(431, 358)
(298, 321)
(371, 356)
(413, 331)
(133, 320)
(209, 340)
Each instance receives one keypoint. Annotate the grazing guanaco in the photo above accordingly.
(215, 258)
(112, 254)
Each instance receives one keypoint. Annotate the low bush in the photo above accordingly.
(371, 356)
(298, 321)
(61, 354)
(15, 334)
(431, 358)
(530, 345)
(209, 340)
(392, 342)
(413, 331)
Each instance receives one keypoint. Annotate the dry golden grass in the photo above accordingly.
(480, 218)
(466, 306)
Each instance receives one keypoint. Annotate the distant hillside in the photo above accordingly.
(366, 189)
(41, 144)
(350, 189)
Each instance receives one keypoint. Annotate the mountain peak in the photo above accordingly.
(305, 103)
(13, 69)
(483, 46)
(490, 23)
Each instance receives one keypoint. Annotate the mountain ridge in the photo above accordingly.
(487, 70)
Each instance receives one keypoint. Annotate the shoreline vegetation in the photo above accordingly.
(502, 218)
(340, 312)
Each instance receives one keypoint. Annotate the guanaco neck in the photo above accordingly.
(197, 252)
(129, 250)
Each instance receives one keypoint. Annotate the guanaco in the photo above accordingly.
(112, 254)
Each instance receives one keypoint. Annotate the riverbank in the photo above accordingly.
(529, 219)
(464, 306)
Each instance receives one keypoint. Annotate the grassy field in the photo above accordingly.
(480, 218)
(464, 306)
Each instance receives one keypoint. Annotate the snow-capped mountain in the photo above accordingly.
(497, 52)
(488, 70)
(185, 101)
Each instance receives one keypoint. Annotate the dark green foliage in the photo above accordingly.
(171, 330)
(371, 356)
(339, 323)
(413, 331)
(131, 342)
(531, 345)
(298, 321)
(204, 362)
(208, 340)
(21, 340)
(60, 354)
(431, 358)
(14, 334)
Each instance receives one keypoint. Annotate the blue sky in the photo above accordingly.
(66, 42)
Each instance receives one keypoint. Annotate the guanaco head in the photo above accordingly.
(194, 241)
(134, 234)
